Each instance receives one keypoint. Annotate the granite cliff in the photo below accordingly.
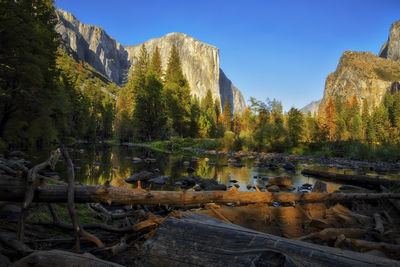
(312, 107)
(366, 75)
(391, 49)
(200, 61)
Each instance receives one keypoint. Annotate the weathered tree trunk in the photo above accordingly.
(204, 241)
(95, 194)
(360, 180)
(61, 258)
(30, 189)
(78, 229)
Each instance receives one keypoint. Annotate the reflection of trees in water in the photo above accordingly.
(205, 170)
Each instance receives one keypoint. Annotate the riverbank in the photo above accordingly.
(210, 147)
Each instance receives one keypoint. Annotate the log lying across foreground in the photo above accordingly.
(119, 195)
(204, 241)
(360, 180)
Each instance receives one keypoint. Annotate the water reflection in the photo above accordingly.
(96, 164)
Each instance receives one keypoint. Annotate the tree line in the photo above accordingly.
(155, 105)
(49, 95)
(46, 96)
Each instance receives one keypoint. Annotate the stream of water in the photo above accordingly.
(96, 164)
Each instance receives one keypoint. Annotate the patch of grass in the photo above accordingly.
(43, 214)
(388, 74)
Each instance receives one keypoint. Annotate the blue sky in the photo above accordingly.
(276, 49)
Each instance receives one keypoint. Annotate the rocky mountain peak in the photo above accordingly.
(391, 49)
(200, 61)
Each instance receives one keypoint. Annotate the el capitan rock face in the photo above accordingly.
(200, 61)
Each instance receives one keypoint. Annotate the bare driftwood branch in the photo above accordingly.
(30, 188)
(378, 223)
(333, 233)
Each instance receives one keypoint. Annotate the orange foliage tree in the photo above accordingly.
(330, 118)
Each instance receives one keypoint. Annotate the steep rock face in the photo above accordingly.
(362, 74)
(200, 64)
(92, 45)
(391, 49)
(200, 61)
(312, 107)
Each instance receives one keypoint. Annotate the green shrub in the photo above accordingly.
(324, 152)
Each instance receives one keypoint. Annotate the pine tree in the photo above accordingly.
(365, 117)
(148, 114)
(194, 117)
(28, 47)
(156, 63)
(295, 125)
(227, 115)
(176, 96)
(217, 105)
(208, 117)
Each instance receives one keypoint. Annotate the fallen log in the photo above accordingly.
(62, 259)
(367, 245)
(204, 241)
(360, 180)
(120, 195)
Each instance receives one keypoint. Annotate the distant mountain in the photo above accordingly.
(366, 75)
(391, 49)
(312, 107)
(200, 61)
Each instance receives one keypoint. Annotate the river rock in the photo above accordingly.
(231, 160)
(149, 160)
(160, 180)
(141, 176)
(289, 167)
(273, 188)
(319, 187)
(136, 160)
(272, 166)
(280, 180)
(190, 170)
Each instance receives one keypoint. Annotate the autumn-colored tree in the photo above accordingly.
(330, 118)
(80, 66)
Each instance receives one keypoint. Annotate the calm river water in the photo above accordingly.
(96, 164)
